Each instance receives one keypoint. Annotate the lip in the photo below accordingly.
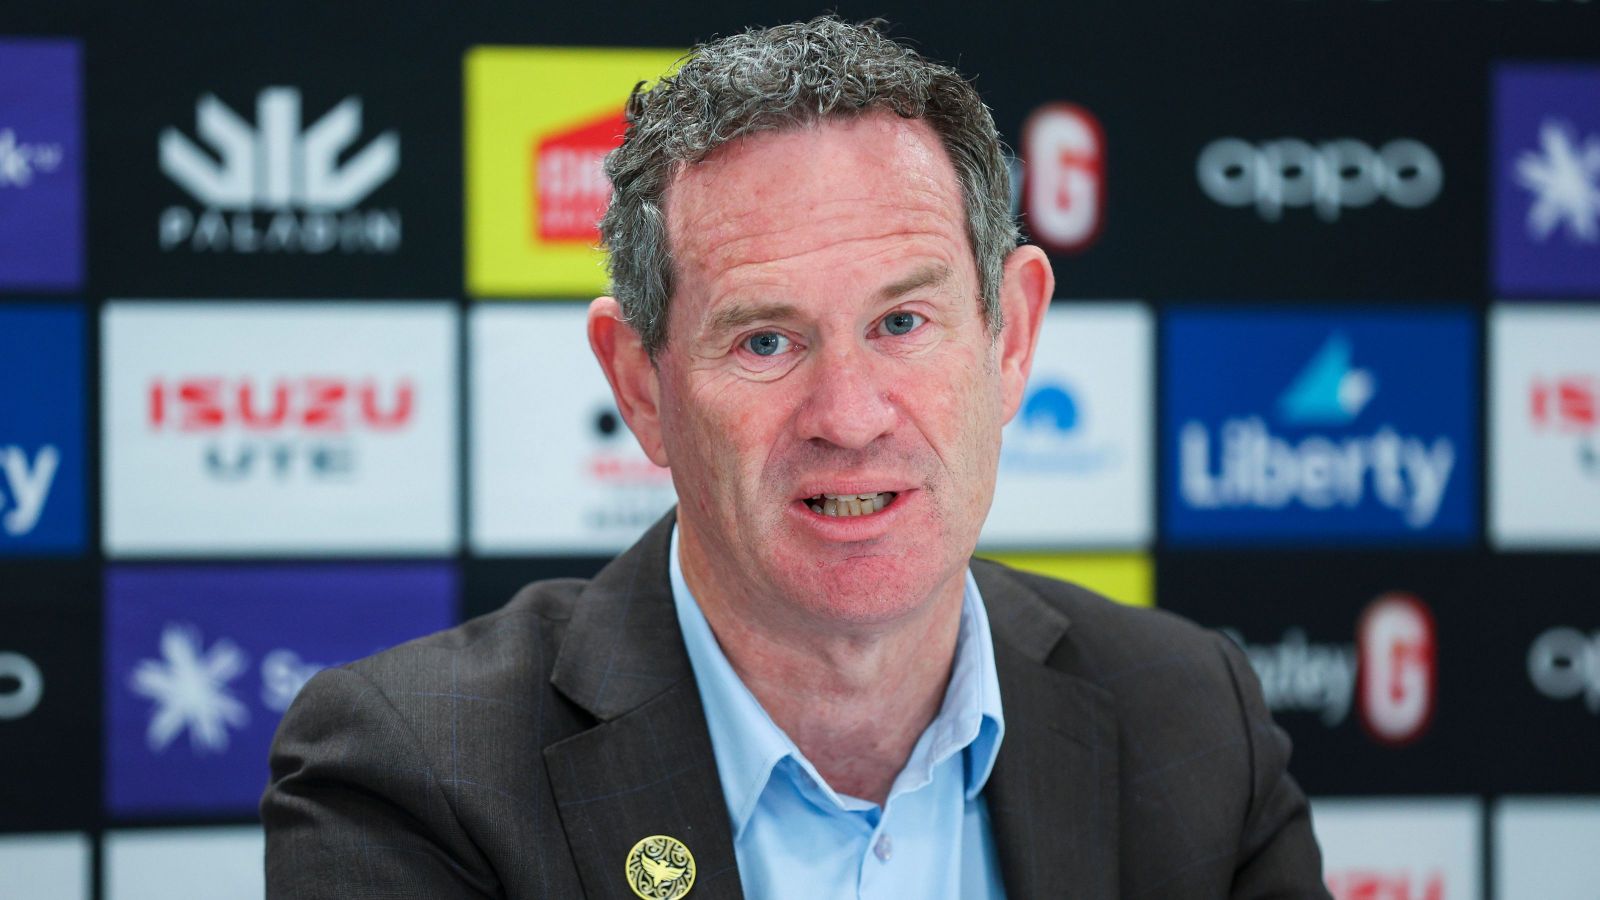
(852, 529)
(854, 484)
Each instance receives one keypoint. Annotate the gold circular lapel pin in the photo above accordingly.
(660, 868)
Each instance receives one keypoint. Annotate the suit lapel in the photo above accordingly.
(1053, 794)
(647, 768)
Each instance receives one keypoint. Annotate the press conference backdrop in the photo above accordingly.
(292, 369)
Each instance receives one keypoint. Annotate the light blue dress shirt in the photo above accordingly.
(795, 837)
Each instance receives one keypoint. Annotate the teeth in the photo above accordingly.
(850, 504)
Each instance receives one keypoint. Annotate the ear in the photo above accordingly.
(1025, 291)
(633, 378)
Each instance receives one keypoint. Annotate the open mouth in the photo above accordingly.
(841, 505)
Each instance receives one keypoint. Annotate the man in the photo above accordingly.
(801, 684)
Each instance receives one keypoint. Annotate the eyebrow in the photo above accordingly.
(930, 275)
(739, 315)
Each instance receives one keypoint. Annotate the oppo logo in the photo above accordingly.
(1398, 669)
(1064, 177)
(317, 404)
(21, 686)
(1329, 177)
(1564, 663)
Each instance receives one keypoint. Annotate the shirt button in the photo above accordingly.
(884, 848)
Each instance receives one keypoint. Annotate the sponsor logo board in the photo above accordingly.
(158, 863)
(41, 164)
(52, 865)
(202, 662)
(1544, 846)
(1075, 462)
(1124, 577)
(42, 441)
(1329, 179)
(1387, 677)
(1544, 398)
(281, 184)
(1064, 177)
(1288, 426)
(1546, 230)
(267, 429)
(554, 467)
(1400, 848)
(49, 714)
(539, 123)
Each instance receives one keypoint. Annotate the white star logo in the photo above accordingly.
(1564, 177)
(190, 687)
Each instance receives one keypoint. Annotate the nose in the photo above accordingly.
(847, 403)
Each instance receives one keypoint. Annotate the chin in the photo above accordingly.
(878, 589)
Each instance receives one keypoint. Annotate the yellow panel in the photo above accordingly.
(516, 99)
(1125, 577)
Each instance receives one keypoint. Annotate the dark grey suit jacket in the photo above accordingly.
(523, 754)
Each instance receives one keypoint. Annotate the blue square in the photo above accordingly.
(1294, 427)
(41, 165)
(202, 662)
(1547, 180)
(42, 453)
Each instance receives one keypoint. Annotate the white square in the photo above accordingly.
(225, 863)
(1075, 462)
(45, 866)
(279, 428)
(1544, 399)
(554, 468)
(1547, 847)
(1400, 847)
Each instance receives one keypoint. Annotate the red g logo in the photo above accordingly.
(1063, 151)
(1398, 672)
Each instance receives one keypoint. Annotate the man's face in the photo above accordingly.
(826, 337)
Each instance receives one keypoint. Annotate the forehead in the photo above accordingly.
(867, 188)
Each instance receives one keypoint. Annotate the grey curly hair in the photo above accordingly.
(775, 78)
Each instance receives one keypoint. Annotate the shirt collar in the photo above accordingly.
(748, 745)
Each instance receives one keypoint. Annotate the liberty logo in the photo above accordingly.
(25, 486)
(20, 162)
(279, 168)
(1255, 468)
(189, 685)
(1564, 178)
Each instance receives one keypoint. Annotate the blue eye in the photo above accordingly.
(901, 322)
(767, 343)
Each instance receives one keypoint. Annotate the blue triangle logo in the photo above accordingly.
(1328, 391)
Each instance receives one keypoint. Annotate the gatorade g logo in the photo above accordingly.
(1398, 674)
(1064, 157)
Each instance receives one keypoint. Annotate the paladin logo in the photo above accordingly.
(20, 162)
(189, 685)
(1297, 675)
(1564, 664)
(1254, 467)
(276, 188)
(21, 686)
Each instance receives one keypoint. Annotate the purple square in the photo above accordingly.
(41, 165)
(202, 661)
(1547, 180)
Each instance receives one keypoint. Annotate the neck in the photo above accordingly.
(855, 699)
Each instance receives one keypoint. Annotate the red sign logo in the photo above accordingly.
(316, 404)
(572, 187)
(1063, 152)
(1566, 403)
(1363, 884)
(1397, 669)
